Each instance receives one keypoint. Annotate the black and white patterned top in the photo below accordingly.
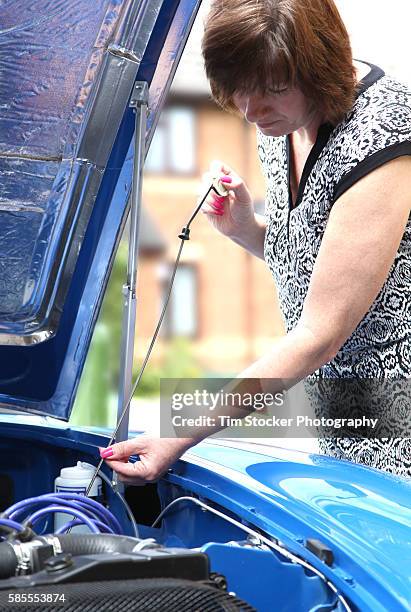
(376, 130)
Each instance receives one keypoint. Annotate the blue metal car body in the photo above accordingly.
(361, 515)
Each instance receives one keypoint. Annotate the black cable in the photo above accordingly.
(185, 235)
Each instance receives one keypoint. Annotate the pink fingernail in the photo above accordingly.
(107, 453)
(226, 179)
(218, 198)
(219, 212)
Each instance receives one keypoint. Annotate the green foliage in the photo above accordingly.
(93, 396)
(178, 362)
(111, 314)
(101, 371)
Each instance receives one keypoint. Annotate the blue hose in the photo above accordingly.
(84, 510)
(33, 518)
(12, 524)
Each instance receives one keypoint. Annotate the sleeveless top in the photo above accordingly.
(375, 131)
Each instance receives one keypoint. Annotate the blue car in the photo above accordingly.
(234, 525)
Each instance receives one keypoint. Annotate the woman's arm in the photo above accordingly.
(359, 246)
(362, 237)
(253, 240)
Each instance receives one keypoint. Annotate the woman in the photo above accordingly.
(334, 139)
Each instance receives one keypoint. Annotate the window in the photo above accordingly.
(173, 146)
(181, 318)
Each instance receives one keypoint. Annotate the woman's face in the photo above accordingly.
(278, 113)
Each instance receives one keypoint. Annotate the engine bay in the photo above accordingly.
(163, 533)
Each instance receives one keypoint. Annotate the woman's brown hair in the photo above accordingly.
(263, 45)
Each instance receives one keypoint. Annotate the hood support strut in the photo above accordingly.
(139, 102)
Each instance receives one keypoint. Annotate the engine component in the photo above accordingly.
(109, 572)
(73, 557)
(76, 480)
(153, 595)
(85, 511)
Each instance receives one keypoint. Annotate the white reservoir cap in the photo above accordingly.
(80, 471)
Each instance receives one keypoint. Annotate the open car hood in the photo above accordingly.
(67, 70)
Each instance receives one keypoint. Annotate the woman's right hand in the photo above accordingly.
(156, 455)
(232, 215)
